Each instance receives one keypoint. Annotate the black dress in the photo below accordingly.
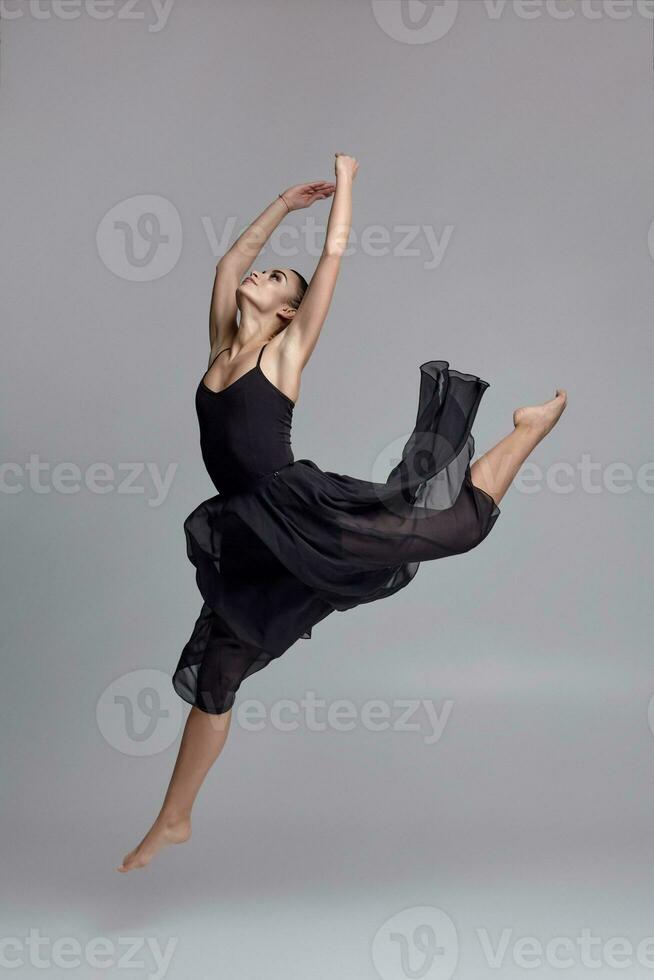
(283, 543)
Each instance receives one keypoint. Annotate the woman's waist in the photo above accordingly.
(232, 473)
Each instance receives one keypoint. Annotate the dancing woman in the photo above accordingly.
(284, 543)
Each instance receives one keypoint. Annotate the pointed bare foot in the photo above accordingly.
(164, 830)
(543, 417)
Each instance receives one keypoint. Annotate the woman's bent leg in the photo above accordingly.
(495, 471)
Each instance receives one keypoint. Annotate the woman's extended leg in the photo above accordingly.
(202, 742)
(495, 471)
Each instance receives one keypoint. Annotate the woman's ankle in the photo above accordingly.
(171, 815)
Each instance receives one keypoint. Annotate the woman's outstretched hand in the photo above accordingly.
(304, 195)
(345, 166)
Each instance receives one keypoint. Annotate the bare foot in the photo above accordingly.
(163, 831)
(543, 417)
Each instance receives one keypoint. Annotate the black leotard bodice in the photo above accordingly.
(245, 429)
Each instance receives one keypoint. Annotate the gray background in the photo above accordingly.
(531, 138)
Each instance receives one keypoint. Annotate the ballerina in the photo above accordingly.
(283, 543)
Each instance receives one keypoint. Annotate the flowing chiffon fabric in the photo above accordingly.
(276, 557)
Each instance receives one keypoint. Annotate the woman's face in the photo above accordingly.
(269, 290)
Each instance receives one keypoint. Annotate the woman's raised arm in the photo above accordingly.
(231, 268)
(301, 335)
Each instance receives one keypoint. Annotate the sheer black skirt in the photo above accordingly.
(274, 561)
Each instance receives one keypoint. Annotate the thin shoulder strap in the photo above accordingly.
(218, 354)
(260, 353)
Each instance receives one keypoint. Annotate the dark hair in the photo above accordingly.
(297, 298)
